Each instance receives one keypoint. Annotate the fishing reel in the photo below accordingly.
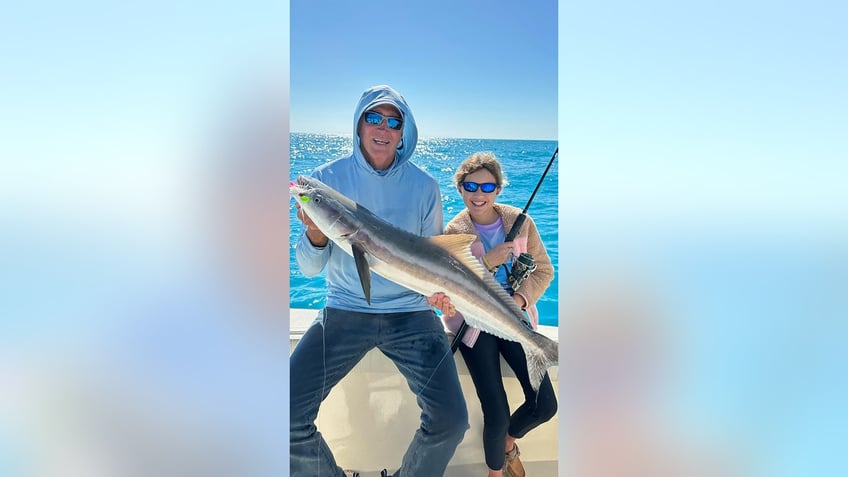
(524, 265)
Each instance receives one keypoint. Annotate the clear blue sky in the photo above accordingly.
(478, 69)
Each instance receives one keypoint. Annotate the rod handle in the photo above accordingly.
(516, 227)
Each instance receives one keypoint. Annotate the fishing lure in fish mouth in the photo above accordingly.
(299, 189)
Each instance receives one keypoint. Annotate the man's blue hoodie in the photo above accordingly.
(403, 195)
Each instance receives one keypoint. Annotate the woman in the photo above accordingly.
(480, 180)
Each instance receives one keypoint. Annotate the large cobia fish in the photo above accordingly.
(426, 265)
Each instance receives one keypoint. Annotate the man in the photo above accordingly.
(398, 321)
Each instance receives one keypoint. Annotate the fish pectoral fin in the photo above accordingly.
(363, 270)
(459, 246)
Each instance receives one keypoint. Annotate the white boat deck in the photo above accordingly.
(370, 416)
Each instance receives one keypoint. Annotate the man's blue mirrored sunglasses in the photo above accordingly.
(376, 118)
(487, 187)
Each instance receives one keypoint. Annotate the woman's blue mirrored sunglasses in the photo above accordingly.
(487, 187)
(376, 118)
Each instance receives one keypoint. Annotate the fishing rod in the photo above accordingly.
(513, 232)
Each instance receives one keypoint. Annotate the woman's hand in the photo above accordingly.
(499, 254)
(520, 301)
(443, 303)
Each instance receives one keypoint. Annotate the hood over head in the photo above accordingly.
(373, 97)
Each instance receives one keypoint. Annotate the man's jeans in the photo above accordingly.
(416, 343)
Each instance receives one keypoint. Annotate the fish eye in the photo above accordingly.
(317, 200)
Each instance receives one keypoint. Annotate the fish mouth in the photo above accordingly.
(302, 186)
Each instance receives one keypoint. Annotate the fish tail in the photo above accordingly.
(540, 359)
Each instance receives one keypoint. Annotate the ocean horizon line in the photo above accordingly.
(433, 137)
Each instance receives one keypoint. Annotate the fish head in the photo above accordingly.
(333, 213)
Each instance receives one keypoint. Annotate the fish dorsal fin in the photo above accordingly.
(459, 246)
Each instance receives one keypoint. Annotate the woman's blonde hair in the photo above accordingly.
(475, 162)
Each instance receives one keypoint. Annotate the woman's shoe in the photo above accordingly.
(512, 465)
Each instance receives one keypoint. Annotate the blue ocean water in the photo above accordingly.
(523, 162)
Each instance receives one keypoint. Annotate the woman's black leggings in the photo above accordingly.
(483, 362)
